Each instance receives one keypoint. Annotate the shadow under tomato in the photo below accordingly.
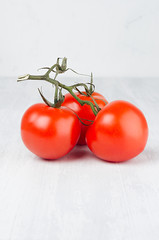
(145, 157)
(149, 155)
(78, 153)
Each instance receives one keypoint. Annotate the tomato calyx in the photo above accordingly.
(56, 104)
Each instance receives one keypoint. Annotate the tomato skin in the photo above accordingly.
(48, 132)
(84, 111)
(119, 132)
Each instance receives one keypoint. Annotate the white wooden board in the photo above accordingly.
(78, 197)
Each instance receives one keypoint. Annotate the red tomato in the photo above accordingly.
(48, 132)
(118, 133)
(84, 111)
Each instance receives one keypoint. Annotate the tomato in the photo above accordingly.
(84, 111)
(48, 132)
(119, 132)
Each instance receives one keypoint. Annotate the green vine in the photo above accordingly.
(58, 97)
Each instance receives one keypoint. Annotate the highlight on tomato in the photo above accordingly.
(119, 132)
(84, 112)
(48, 132)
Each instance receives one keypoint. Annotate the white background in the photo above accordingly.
(110, 38)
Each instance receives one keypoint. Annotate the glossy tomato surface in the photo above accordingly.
(48, 132)
(119, 132)
(84, 111)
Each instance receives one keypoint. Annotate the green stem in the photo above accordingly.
(82, 102)
(45, 77)
(50, 69)
(56, 94)
(91, 89)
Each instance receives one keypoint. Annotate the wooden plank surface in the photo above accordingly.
(78, 197)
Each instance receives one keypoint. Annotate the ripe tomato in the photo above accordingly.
(84, 111)
(118, 133)
(48, 132)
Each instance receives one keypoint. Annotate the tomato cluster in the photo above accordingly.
(119, 131)
(115, 131)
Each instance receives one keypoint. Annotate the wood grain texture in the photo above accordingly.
(78, 197)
